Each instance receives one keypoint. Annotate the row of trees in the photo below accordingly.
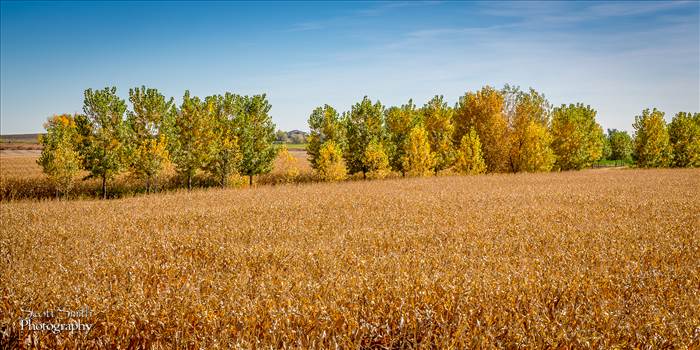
(220, 134)
(490, 130)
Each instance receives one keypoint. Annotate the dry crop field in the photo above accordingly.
(590, 259)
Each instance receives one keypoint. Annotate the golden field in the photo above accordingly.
(590, 259)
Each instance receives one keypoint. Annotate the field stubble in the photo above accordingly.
(584, 259)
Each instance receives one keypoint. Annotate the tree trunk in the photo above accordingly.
(148, 184)
(250, 177)
(189, 182)
(104, 186)
(224, 176)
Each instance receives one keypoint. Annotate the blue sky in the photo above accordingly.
(619, 57)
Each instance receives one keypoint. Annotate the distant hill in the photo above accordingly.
(20, 138)
(20, 142)
(294, 136)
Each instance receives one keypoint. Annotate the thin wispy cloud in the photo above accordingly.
(348, 19)
(540, 13)
(626, 8)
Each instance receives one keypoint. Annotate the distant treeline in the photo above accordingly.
(490, 130)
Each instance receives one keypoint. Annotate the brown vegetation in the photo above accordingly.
(591, 259)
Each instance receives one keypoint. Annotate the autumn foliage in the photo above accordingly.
(228, 136)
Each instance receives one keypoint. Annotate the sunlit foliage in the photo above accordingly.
(484, 111)
(577, 137)
(325, 125)
(400, 122)
(684, 135)
(224, 155)
(530, 139)
(103, 135)
(438, 122)
(620, 145)
(376, 161)
(330, 165)
(364, 125)
(470, 160)
(652, 148)
(148, 133)
(256, 134)
(417, 159)
(59, 158)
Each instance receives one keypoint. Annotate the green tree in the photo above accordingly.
(363, 125)
(484, 111)
(256, 136)
(148, 139)
(325, 125)
(469, 157)
(652, 148)
(193, 133)
(103, 133)
(281, 136)
(684, 135)
(400, 122)
(578, 139)
(437, 118)
(416, 157)
(330, 165)
(620, 145)
(225, 152)
(59, 158)
(530, 140)
(607, 151)
(297, 138)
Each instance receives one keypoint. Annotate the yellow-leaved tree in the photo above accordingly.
(469, 158)
(288, 164)
(330, 165)
(376, 160)
(483, 111)
(652, 148)
(148, 158)
(59, 158)
(684, 134)
(437, 118)
(535, 153)
(417, 160)
(530, 140)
